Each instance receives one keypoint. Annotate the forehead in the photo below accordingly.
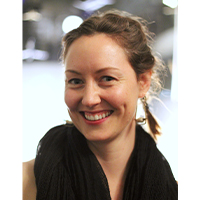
(94, 49)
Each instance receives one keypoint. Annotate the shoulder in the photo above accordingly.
(157, 169)
(54, 137)
(148, 149)
(51, 149)
(29, 186)
(57, 131)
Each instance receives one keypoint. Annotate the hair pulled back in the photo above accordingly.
(132, 34)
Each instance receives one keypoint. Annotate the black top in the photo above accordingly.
(66, 169)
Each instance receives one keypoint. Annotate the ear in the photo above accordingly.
(144, 81)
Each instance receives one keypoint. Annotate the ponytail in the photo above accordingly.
(151, 121)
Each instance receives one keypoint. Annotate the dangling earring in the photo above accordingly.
(154, 127)
(142, 120)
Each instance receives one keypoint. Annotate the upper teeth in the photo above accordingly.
(97, 117)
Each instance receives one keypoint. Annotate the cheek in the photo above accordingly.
(122, 97)
(71, 99)
(128, 91)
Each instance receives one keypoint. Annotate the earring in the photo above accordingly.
(144, 102)
(142, 120)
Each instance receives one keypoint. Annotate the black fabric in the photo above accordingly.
(66, 169)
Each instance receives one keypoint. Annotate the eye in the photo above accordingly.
(107, 78)
(75, 81)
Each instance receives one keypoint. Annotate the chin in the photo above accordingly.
(97, 135)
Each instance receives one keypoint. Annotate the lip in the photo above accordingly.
(95, 122)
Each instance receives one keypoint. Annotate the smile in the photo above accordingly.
(96, 117)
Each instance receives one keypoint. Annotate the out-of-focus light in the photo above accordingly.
(92, 5)
(168, 11)
(171, 3)
(71, 22)
(30, 53)
(32, 15)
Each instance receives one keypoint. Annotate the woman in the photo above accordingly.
(104, 154)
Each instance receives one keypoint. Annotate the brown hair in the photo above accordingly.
(132, 34)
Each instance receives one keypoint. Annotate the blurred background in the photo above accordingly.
(44, 24)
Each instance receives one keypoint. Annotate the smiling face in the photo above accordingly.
(102, 89)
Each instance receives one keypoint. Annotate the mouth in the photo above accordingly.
(96, 116)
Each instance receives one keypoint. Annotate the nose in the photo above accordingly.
(91, 95)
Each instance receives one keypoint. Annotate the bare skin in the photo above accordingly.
(29, 187)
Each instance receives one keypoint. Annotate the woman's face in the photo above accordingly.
(101, 88)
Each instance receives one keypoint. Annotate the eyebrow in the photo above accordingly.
(97, 72)
(72, 71)
(105, 69)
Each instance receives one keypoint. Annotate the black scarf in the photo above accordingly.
(66, 169)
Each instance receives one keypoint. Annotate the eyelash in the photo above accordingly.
(74, 81)
(109, 78)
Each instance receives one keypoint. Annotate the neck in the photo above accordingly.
(113, 156)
